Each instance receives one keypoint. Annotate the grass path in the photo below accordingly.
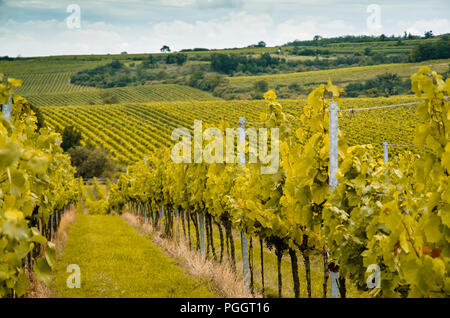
(115, 261)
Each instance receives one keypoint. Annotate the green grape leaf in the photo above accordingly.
(43, 270)
(431, 229)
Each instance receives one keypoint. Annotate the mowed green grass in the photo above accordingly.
(115, 261)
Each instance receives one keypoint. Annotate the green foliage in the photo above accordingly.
(92, 162)
(114, 74)
(439, 49)
(206, 82)
(395, 216)
(71, 138)
(165, 49)
(231, 63)
(37, 180)
(386, 84)
(40, 120)
(110, 98)
(178, 59)
(261, 86)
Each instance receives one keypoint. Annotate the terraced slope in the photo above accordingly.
(339, 76)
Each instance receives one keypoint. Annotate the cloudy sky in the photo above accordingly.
(45, 27)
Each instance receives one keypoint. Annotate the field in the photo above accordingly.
(45, 83)
(132, 94)
(130, 131)
(50, 64)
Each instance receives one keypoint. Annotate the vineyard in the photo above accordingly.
(131, 131)
(35, 83)
(132, 94)
(386, 218)
(51, 64)
(380, 219)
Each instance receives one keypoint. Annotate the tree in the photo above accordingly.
(71, 138)
(428, 35)
(165, 49)
(151, 59)
(261, 44)
(178, 58)
(90, 162)
(224, 63)
(431, 51)
(115, 65)
(181, 58)
(387, 84)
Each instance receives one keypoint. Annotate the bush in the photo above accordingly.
(71, 137)
(373, 92)
(92, 162)
(109, 98)
(261, 86)
(295, 87)
(431, 51)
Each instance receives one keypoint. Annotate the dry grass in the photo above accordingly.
(37, 288)
(63, 230)
(220, 276)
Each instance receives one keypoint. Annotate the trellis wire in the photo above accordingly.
(353, 110)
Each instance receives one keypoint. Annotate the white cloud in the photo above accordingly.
(34, 38)
(306, 29)
(35, 4)
(236, 29)
(438, 26)
(139, 26)
(219, 3)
